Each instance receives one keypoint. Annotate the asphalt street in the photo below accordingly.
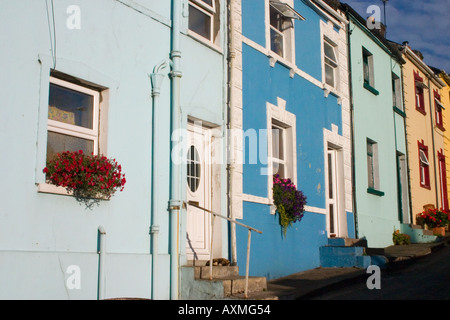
(427, 278)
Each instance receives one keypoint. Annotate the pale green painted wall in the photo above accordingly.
(377, 216)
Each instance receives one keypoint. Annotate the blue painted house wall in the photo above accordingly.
(301, 86)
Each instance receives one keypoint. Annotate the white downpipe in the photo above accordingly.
(232, 58)
(175, 185)
(156, 79)
(101, 267)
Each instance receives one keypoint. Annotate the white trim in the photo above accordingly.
(210, 13)
(288, 36)
(205, 6)
(288, 121)
(74, 130)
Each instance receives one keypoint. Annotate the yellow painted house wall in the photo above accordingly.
(445, 100)
(420, 127)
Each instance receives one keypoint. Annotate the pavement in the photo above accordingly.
(308, 283)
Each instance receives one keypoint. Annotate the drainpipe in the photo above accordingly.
(352, 122)
(156, 79)
(436, 180)
(175, 168)
(231, 166)
(101, 264)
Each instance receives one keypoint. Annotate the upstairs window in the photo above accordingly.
(281, 31)
(330, 63)
(396, 92)
(419, 87)
(368, 71)
(438, 110)
(204, 19)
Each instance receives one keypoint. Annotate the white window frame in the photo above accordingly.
(280, 117)
(281, 159)
(327, 61)
(424, 163)
(288, 34)
(74, 130)
(209, 11)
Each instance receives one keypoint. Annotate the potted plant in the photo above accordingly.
(434, 219)
(86, 176)
(290, 202)
(400, 238)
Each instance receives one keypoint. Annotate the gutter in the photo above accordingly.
(331, 11)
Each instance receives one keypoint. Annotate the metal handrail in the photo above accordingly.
(250, 229)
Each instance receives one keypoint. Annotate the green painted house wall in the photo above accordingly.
(375, 119)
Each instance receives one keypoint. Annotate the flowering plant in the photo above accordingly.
(289, 201)
(434, 218)
(400, 238)
(87, 176)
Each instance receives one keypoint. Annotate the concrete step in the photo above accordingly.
(236, 285)
(222, 272)
(226, 282)
(347, 242)
(417, 234)
(349, 252)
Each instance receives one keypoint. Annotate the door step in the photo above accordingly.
(347, 252)
(417, 234)
(225, 284)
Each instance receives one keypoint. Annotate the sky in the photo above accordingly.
(425, 24)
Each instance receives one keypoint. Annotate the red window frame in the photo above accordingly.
(443, 180)
(420, 105)
(438, 110)
(425, 173)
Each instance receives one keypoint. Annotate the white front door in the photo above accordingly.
(332, 194)
(198, 192)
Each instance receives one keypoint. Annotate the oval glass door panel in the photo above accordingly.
(193, 169)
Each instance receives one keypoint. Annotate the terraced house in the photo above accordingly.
(425, 133)
(380, 151)
(112, 78)
(291, 99)
(207, 107)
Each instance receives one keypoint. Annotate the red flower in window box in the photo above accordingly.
(87, 176)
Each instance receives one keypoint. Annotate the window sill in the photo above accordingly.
(204, 41)
(330, 90)
(425, 186)
(375, 192)
(422, 111)
(440, 127)
(52, 189)
(371, 89)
